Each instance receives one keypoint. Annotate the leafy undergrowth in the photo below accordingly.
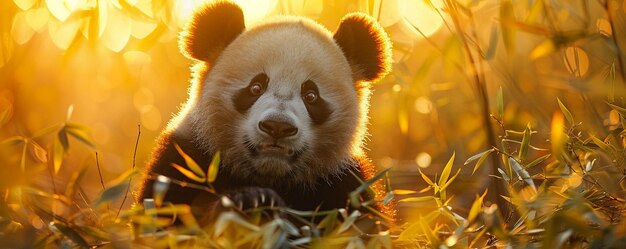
(570, 196)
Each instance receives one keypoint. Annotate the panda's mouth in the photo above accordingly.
(273, 149)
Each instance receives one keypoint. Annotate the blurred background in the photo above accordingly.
(111, 66)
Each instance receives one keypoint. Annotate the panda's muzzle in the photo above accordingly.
(278, 129)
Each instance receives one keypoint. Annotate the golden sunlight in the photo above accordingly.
(253, 10)
(423, 18)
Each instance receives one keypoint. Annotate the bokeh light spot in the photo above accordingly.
(423, 160)
(423, 105)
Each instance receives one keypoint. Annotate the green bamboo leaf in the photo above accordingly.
(70, 233)
(188, 173)
(598, 142)
(522, 173)
(365, 186)
(213, 168)
(537, 161)
(446, 171)
(349, 221)
(329, 221)
(481, 160)
(523, 150)
(474, 157)
(566, 112)
(191, 164)
(493, 43)
(80, 133)
(112, 193)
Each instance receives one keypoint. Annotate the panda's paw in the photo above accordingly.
(251, 198)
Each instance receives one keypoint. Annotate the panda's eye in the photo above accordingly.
(256, 89)
(310, 96)
(258, 84)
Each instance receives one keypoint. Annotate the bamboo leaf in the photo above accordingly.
(40, 153)
(481, 160)
(557, 137)
(80, 133)
(537, 161)
(476, 207)
(474, 157)
(12, 141)
(566, 112)
(446, 171)
(508, 34)
(426, 179)
(213, 167)
(598, 142)
(57, 155)
(191, 164)
(445, 185)
(493, 43)
(543, 49)
(522, 173)
(417, 199)
(523, 150)
(349, 221)
(188, 173)
(70, 234)
(47, 131)
(112, 193)
(62, 138)
(404, 192)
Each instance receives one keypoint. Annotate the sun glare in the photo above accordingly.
(422, 17)
(252, 10)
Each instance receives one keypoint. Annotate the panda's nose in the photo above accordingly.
(278, 129)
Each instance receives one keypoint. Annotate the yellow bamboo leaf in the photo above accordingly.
(446, 171)
(557, 137)
(543, 49)
(191, 164)
(57, 155)
(188, 173)
(213, 167)
(404, 191)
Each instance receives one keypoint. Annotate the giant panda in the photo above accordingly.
(284, 101)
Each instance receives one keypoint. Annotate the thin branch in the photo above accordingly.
(131, 178)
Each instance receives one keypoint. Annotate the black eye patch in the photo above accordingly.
(245, 97)
(319, 110)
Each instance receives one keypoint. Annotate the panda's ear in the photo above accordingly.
(211, 29)
(366, 46)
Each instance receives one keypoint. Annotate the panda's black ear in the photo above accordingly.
(366, 46)
(211, 29)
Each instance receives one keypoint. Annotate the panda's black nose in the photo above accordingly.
(278, 129)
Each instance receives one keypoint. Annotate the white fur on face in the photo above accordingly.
(290, 52)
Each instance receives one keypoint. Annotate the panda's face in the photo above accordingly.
(280, 101)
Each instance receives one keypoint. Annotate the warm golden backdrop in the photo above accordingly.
(114, 65)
